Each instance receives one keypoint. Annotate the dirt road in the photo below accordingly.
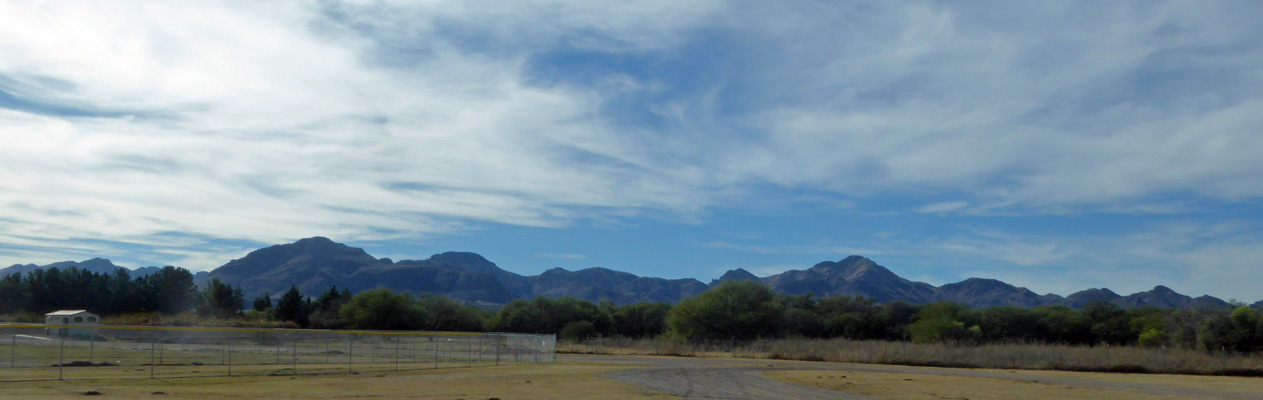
(694, 378)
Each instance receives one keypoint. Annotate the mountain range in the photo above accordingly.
(313, 265)
(97, 265)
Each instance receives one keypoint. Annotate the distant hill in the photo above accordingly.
(978, 293)
(315, 264)
(853, 275)
(97, 265)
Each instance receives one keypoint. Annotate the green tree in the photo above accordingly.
(263, 303)
(544, 315)
(640, 320)
(1011, 324)
(13, 297)
(169, 290)
(382, 309)
(731, 311)
(221, 299)
(945, 322)
(439, 313)
(291, 307)
(577, 331)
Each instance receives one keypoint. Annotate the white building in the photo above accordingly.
(72, 317)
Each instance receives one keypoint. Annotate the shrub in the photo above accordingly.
(382, 309)
(577, 331)
(731, 311)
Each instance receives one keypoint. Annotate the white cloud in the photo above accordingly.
(942, 207)
(239, 121)
(375, 120)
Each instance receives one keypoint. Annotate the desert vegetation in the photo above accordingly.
(1132, 359)
(742, 319)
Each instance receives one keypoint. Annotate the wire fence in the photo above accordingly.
(63, 352)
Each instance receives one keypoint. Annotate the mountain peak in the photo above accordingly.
(982, 282)
(736, 275)
(852, 259)
(317, 241)
(459, 258)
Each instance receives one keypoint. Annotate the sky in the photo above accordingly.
(1057, 146)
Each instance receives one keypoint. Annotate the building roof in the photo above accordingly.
(67, 312)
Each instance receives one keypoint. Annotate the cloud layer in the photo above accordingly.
(124, 124)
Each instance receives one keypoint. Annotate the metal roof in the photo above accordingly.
(66, 312)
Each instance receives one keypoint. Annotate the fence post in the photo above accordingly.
(153, 351)
(498, 337)
(436, 351)
(350, 353)
(396, 354)
(293, 356)
(1224, 359)
(61, 356)
(13, 351)
(469, 353)
(229, 359)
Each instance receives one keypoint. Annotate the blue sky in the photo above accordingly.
(1058, 146)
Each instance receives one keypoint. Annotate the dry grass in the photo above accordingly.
(899, 386)
(191, 318)
(548, 381)
(1023, 356)
(1232, 383)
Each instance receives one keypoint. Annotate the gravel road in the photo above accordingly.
(705, 379)
(694, 378)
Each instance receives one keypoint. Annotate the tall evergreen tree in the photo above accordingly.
(291, 307)
(263, 303)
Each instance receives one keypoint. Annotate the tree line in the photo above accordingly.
(170, 290)
(743, 311)
(732, 311)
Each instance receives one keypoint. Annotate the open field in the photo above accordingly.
(634, 377)
(763, 379)
(550, 381)
(30, 352)
(1016, 356)
(1032, 386)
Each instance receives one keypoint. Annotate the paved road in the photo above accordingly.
(694, 378)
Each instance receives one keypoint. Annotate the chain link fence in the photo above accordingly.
(51, 352)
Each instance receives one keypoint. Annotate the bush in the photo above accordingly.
(381, 309)
(1153, 337)
(640, 320)
(731, 311)
(577, 331)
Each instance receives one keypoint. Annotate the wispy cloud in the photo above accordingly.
(561, 256)
(941, 207)
(265, 122)
(812, 249)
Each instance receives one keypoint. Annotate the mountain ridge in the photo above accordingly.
(317, 263)
(96, 265)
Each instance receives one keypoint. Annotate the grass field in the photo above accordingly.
(587, 378)
(1018, 356)
(913, 386)
(548, 381)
